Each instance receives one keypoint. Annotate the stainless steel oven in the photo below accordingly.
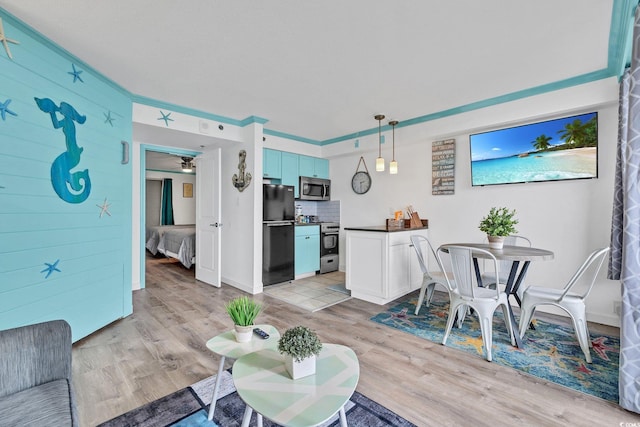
(329, 244)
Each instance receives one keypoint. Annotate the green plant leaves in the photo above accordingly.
(243, 310)
(499, 222)
(299, 342)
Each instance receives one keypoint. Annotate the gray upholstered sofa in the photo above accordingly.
(35, 376)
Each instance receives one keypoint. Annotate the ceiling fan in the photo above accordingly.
(187, 164)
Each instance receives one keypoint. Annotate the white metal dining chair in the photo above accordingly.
(567, 298)
(465, 293)
(429, 278)
(488, 277)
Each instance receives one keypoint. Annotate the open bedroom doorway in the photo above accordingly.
(168, 209)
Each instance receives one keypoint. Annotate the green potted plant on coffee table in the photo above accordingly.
(243, 311)
(299, 346)
(498, 224)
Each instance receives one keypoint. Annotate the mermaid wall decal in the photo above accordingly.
(72, 187)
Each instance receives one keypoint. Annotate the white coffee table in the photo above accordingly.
(265, 386)
(226, 345)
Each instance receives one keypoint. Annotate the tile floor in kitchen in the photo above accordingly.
(311, 293)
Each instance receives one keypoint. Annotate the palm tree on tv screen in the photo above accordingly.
(591, 131)
(577, 135)
(542, 142)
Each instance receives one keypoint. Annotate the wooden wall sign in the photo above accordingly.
(443, 164)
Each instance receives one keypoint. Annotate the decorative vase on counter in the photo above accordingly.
(496, 242)
(243, 333)
(300, 369)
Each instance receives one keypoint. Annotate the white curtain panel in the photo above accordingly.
(624, 263)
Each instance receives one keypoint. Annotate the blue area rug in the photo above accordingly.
(550, 352)
(186, 408)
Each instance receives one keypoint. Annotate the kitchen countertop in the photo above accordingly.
(383, 229)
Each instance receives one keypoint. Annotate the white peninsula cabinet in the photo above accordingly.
(381, 264)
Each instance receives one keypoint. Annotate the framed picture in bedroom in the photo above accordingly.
(187, 190)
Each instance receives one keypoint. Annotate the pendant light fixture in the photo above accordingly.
(379, 160)
(393, 166)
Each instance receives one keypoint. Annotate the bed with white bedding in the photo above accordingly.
(180, 243)
(155, 232)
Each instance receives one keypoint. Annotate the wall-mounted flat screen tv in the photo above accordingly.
(553, 150)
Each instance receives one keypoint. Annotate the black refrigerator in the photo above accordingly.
(278, 234)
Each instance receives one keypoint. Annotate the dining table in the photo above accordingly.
(520, 258)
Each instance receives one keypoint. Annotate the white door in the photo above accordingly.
(208, 217)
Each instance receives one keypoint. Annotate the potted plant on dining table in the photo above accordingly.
(498, 224)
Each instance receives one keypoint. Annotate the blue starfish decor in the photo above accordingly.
(51, 268)
(166, 118)
(4, 110)
(108, 118)
(76, 74)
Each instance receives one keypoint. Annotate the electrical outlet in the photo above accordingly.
(617, 307)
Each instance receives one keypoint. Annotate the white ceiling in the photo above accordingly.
(163, 161)
(322, 70)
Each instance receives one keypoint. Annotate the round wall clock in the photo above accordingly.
(361, 182)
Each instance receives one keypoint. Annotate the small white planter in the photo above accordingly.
(301, 369)
(496, 242)
(243, 333)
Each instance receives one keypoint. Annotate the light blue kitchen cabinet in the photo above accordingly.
(290, 171)
(307, 249)
(322, 168)
(271, 163)
(313, 167)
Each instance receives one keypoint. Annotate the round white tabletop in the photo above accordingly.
(226, 345)
(265, 386)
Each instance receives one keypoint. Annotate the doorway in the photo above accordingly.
(156, 165)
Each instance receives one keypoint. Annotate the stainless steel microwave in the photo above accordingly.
(315, 188)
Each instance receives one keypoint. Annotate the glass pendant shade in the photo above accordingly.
(380, 159)
(393, 167)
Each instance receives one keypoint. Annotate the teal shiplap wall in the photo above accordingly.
(60, 259)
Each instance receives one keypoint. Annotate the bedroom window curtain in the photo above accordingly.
(166, 215)
(624, 263)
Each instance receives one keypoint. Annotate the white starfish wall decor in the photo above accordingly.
(5, 41)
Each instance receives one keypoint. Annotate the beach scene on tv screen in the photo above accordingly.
(552, 150)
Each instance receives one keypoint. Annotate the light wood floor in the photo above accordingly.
(161, 348)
